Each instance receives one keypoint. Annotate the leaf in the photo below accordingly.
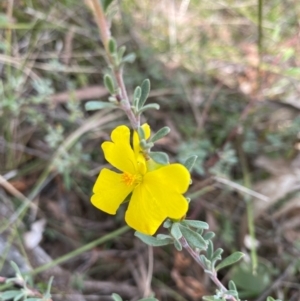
(148, 299)
(232, 285)
(9, 295)
(19, 297)
(121, 52)
(208, 235)
(145, 92)
(160, 134)
(148, 107)
(210, 250)
(231, 259)
(98, 105)
(112, 45)
(159, 157)
(109, 84)
(141, 133)
(189, 163)
(217, 254)
(116, 297)
(195, 224)
(193, 238)
(129, 58)
(163, 236)
(175, 231)
(153, 241)
(136, 96)
(106, 4)
(177, 245)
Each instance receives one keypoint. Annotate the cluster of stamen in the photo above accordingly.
(130, 179)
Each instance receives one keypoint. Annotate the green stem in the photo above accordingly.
(249, 206)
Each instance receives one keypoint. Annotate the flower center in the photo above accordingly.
(130, 179)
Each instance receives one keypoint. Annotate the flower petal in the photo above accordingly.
(119, 152)
(109, 191)
(151, 205)
(175, 176)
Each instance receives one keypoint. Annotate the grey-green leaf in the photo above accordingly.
(193, 238)
(136, 96)
(160, 134)
(208, 235)
(232, 285)
(129, 58)
(98, 105)
(121, 52)
(141, 133)
(163, 236)
(195, 224)
(177, 245)
(217, 254)
(148, 299)
(109, 84)
(145, 92)
(116, 297)
(159, 157)
(189, 163)
(153, 241)
(210, 250)
(151, 106)
(231, 259)
(8, 295)
(175, 231)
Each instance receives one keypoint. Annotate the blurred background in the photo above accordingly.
(228, 85)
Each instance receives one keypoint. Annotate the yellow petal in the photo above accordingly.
(136, 140)
(150, 206)
(173, 176)
(109, 191)
(119, 152)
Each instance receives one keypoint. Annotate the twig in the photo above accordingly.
(117, 70)
(213, 275)
(242, 189)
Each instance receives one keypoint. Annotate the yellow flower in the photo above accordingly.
(156, 194)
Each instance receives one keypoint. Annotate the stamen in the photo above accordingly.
(128, 178)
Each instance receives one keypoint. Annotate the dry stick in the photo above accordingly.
(213, 275)
(105, 36)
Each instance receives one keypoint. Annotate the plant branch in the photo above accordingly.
(212, 275)
(105, 36)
